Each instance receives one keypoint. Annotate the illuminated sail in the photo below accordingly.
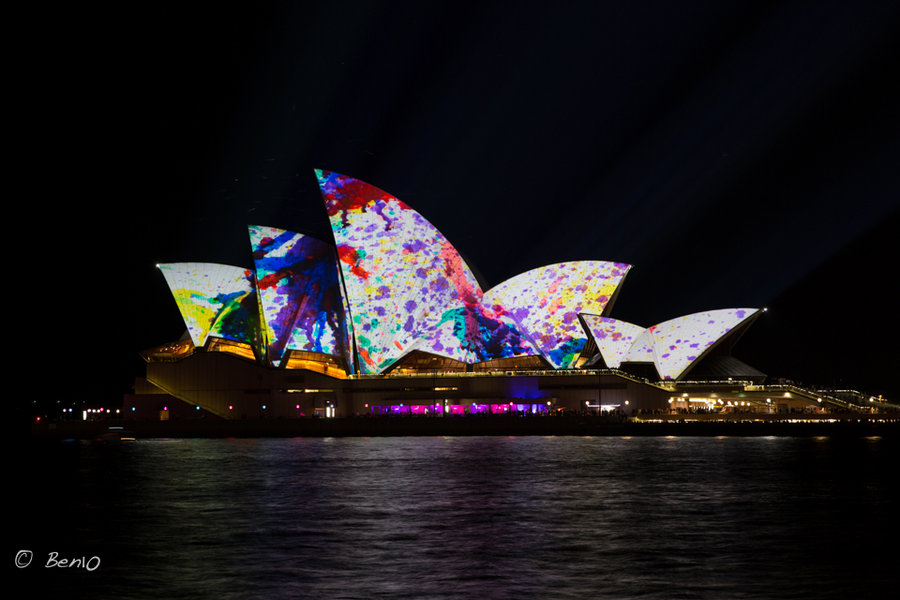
(407, 286)
(299, 293)
(546, 302)
(214, 300)
(672, 346)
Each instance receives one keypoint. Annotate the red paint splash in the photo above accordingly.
(351, 194)
(350, 255)
(270, 280)
(455, 271)
(365, 356)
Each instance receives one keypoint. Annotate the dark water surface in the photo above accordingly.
(481, 517)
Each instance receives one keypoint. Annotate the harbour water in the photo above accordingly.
(458, 517)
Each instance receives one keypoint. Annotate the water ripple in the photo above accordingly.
(455, 518)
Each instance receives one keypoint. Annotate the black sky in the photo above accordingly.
(737, 154)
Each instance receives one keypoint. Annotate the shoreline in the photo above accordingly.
(665, 425)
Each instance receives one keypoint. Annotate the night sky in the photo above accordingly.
(739, 154)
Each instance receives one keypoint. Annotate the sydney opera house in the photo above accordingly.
(388, 319)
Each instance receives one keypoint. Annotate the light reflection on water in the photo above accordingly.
(489, 517)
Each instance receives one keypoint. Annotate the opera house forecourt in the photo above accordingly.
(388, 319)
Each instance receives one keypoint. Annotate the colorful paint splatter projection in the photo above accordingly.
(214, 300)
(299, 293)
(392, 284)
(546, 302)
(407, 287)
(615, 339)
(672, 346)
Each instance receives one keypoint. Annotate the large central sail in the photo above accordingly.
(407, 286)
